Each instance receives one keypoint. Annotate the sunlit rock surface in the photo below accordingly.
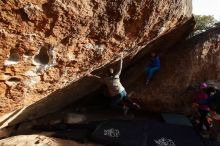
(39, 140)
(46, 45)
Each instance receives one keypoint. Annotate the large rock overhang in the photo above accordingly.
(49, 46)
(68, 95)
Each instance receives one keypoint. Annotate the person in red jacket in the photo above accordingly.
(203, 109)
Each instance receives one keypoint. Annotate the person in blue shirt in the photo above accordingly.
(153, 67)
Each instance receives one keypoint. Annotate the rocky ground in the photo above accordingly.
(36, 132)
(39, 140)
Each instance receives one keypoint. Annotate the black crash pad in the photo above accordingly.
(145, 133)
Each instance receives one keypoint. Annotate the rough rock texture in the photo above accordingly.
(189, 63)
(48, 44)
(39, 140)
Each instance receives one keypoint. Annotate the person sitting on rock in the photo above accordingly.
(203, 109)
(153, 67)
(115, 89)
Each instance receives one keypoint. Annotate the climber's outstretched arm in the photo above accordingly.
(120, 66)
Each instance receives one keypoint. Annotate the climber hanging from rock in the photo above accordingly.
(153, 67)
(116, 91)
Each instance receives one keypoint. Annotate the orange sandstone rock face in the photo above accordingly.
(46, 45)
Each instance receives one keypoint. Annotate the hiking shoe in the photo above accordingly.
(204, 134)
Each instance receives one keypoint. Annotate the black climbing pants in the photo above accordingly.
(203, 119)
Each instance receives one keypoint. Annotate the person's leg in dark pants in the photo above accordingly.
(207, 123)
(203, 120)
(116, 100)
(150, 71)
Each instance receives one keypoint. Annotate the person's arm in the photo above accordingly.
(209, 100)
(95, 76)
(120, 67)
